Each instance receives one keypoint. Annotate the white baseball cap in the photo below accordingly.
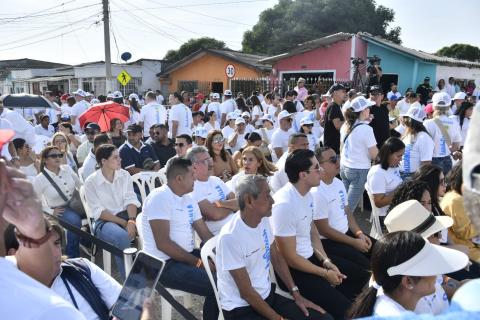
(284, 114)
(232, 116)
(94, 101)
(360, 103)
(117, 94)
(227, 93)
(110, 95)
(267, 117)
(431, 260)
(133, 96)
(88, 94)
(441, 100)
(239, 120)
(306, 120)
(412, 216)
(238, 112)
(80, 93)
(416, 112)
(215, 95)
(246, 114)
(201, 132)
(460, 96)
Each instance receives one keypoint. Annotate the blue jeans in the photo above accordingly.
(116, 235)
(444, 162)
(72, 248)
(354, 181)
(184, 277)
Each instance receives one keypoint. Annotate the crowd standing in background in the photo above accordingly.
(277, 180)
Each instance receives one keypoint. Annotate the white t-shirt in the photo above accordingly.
(77, 109)
(228, 106)
(240, 141)
(207, 126)
(381, 181)
(181, 212)
(265, 132)
(292, 215)
(257, 111)
(463, 128)
(150, 114)
(160, 99)
(279, 178)
(417, 150)
(183, 115)
(312, 141)
(215, 106)
(271, 110)
(403, 106)
(354, 154)
(240, 246)
(433, 304)
(41, 131)
(387, 307)
(280, 139)
(214, 189)
(441, 149)
(227, 131)
(25, 298)
(249, 128)
(330, 201)
(391, 93)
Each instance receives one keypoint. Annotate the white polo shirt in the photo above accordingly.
(354, 154)
(417, 149)
(240, 246)
(228, 106)
(381, 181)
(292, 215)
(181, 212)
(441, 149)
(330, 201)
(41, 131)
(150, 114)
(183, 115)
(387, 307)
(280, 140)
(77, 109)
(214, 189)
(240, 141)
(279, 178)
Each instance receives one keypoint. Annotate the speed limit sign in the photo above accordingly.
(230, 70)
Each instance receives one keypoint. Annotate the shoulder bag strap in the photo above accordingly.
(444, 131)
(55, 185)
(348, 134)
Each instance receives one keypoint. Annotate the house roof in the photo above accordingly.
(25, 63)
(310, 45)
(424, 56)
(250, 60)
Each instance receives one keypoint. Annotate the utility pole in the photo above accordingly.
(106, 40)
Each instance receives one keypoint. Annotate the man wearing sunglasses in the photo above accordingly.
(183, 142)
(91, 130)
(163, 146)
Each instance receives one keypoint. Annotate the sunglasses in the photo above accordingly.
(332, 159)
(181, 144)
(289, 119)
(317, 168)
(55, 155)
(90, 132)
(218, 140)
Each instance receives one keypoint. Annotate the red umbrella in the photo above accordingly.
(102, 113)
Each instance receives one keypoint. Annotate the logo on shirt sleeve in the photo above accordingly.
(266, 255)
(343, 202)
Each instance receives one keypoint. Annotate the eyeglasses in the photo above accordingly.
(55, 155)
(332, 159)
(206, 162)
(90, 132)
(289, 119)
(181, 144)
(317, 168)
(218, 140)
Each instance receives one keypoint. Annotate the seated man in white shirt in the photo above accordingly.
(245, 249)
(237, 139)
(171, 216)
(112, 201)
(342, 238)
(90, 163)
(22, 296)
(216, 201)
(44, 128)
(281, 134)
(295, 141)
(66, 277)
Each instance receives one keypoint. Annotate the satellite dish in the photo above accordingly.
(126, 56)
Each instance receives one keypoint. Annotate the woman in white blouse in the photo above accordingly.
(405, 268)
(358, 149)
(112, 201)
(462, 116)
(26, 159)
(53, 202)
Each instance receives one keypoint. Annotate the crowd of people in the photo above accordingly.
(275, 180)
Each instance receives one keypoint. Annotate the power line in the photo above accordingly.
(37, 12)
(164, 6)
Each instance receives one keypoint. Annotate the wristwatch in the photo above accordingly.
(295, 288)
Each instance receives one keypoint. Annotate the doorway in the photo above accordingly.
(217, 87)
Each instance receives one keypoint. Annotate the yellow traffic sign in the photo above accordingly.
(123, 77)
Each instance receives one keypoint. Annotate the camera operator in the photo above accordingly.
(374, 71)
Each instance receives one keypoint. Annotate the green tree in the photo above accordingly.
(461, 51)
(193, 45)
(291, 22)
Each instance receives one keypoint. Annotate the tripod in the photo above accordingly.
(358, 83)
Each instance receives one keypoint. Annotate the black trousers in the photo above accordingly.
(319, 291)
(283, 306)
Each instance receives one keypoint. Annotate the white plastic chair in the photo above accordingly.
(278, 290)
(146, 179)
(106, 256)
(166, 306)
(208, 252)
(376, 231)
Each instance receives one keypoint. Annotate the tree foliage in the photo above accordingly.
(291, 22)
(461, 51)
(193, 45)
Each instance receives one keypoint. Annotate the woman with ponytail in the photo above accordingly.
(404, 268)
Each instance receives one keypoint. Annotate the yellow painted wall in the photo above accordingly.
(209, 68)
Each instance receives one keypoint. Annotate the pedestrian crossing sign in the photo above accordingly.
(123, 77)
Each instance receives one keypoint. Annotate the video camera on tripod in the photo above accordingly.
(373, 60)
(357, 61)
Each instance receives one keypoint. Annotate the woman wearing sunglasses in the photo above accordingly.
(66, 181)
(60, 141)
(223, 165)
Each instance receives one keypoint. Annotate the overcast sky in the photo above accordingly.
(72, 33)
